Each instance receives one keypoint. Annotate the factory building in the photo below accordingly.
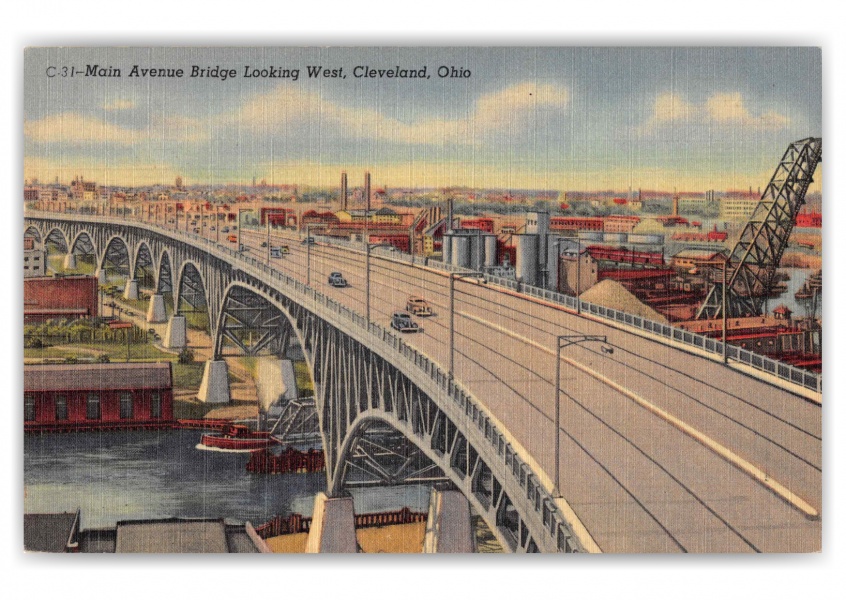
(73, 297)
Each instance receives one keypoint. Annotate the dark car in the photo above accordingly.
(264, 244)
(309, 241)
(337, 280)
(402, 321)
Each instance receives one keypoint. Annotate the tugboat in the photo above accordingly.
(239, 438)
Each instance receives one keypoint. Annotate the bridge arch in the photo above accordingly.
(116, 260)
(143, 267)
(56, 237)
(164, 275)
(33, 232)
(192, 297)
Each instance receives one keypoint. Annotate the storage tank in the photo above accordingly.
(446, 248)
(526, 251)
(490, 249)
(475, 246)
(461, 251)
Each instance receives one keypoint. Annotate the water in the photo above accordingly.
(113, 476)
(797, 278)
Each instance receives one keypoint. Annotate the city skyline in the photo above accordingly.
(550, 118)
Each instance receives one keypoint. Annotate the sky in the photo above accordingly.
(525, 118)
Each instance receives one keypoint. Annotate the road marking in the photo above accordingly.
(739, 462)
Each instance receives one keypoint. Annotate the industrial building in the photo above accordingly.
(35, 259)
(71, 297)
(97, 396)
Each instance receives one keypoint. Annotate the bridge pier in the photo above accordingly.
(332, 526)
(156, 311)
(214, 389)
(130, 292)
(449, 528)
(175, 333)
(100, 274)
(70, 261)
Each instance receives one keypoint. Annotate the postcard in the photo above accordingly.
(422, 300)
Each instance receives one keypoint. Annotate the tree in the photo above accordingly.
(186, 357)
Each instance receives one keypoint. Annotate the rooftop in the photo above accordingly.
(97, 376)
(50, 532)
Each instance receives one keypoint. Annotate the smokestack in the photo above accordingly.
(344, 193)
(676, 205)
(449, 215)
(367, 192)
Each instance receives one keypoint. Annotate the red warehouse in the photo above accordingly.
(72, 297)
(98, 396)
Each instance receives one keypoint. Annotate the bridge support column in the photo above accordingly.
(332, 526)
(100, 274)
(156, 311)
(214, 389)
(175, 333)
(130, 292)
(70, 261)
(449, 528)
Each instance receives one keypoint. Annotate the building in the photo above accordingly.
(738, 206)
(51, 532)
(809, 219)
(620, 223)
(576, 224)
(35, 259)
(576, 272)
(72, 297)
(692, 258)
(97, 396)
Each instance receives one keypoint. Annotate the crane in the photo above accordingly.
(752, 264)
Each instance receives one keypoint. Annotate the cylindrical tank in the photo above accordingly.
(475, 245)
(446, 248)
(490, 250)
(646, 238)
(614, 238)
(461, 251)
(526, 250)
(590, 236)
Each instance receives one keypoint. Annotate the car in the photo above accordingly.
(224, 229)
(264, 244)
(157, 337)
(402, 322)
(129, 313)
(418, 307)
(211, 228)
(308, 241)
(337, 280)
(284, 249)
(151, 331)
(196, 230)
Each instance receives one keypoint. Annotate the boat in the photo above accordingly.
(239, 438)
(804, 292)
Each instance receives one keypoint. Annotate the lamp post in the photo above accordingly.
(452, 278)
(240, 210)
(724, 264)
(370, 247)
(308, 253)
(562, 341)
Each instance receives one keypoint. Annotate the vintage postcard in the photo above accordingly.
(422, 300)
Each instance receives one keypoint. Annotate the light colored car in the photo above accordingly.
(418, 307)
(402, 322)
(224, 230)
(337, 280)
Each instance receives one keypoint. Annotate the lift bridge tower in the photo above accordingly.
(751, 267)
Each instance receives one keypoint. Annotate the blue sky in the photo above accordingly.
(546, 118)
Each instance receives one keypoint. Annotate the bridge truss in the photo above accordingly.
(752, 264)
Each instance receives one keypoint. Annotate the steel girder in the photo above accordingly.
(756, 256)
(143, 268)
(252, 324)
(116, 257)
(164, 279)
(83, 246)
(57, 237)
(33, 232)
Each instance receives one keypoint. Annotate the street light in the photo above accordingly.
(240, 210)
(724, 263)
(562, 341)
(452, 278)
(370, 247)
(308, 253)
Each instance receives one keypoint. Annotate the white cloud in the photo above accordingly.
(119, 104)
(286, 106)
(75, 128)
(725, 109)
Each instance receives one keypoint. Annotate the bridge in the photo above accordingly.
(651, 443)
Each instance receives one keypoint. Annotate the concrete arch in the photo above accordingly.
(56, 236)
(116, 256)
(191, 289)
(83, 243)
(143, 268)
(164, 274)
(33, 232)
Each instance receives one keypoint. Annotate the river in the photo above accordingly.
(113, 476)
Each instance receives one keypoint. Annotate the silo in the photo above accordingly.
(461, 251)
(446, 248)
(526, 250)
(614, 238)
(590, 236)
(490, 249)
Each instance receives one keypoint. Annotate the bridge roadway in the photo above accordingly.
(661, 450)
(670, 452)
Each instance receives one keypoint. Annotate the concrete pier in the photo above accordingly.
(332, 526)
(70, 261)
(100, 274)
(214, 389)
(156, 310)
(449, 528)
(175, 336)
(130, 291)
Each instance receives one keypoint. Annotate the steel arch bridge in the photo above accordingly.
(386, 413)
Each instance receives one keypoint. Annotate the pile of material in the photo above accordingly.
(612, 294)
